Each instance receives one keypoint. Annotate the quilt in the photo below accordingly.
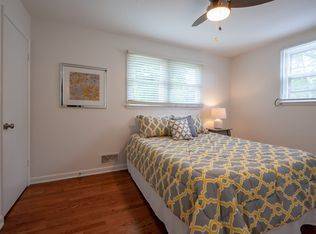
(221, 184)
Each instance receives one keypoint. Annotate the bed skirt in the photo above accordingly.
(175, 226)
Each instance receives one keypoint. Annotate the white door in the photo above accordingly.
(14, 114)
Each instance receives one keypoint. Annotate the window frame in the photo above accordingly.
(132, 104)
(284, 79)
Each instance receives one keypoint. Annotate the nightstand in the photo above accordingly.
(224, 131)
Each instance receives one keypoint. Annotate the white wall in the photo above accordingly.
(255, 84)
(15, 10)
(65, 140)
(16, 13)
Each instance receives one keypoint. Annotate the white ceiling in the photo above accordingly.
(170, 20)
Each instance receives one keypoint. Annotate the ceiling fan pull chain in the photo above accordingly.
(219, 26)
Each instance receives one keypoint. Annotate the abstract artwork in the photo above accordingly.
(82, 86)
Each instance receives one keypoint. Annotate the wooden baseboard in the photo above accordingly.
(75, 174)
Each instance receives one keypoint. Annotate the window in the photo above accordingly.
(299, 73)
(156, 81)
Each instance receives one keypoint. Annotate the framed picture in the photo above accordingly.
(82, 86)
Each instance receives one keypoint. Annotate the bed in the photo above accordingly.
(221, 184)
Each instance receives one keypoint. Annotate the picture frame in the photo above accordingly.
(83, 86)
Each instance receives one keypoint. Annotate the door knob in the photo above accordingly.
(7, 126)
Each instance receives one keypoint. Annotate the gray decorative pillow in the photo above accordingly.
(180, 129)
(190, 122)
(198, 124)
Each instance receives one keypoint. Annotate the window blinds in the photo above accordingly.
(162, 81)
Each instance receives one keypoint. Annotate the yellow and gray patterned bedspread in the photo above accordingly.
(220, 184)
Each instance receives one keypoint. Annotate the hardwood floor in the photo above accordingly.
(106, 203)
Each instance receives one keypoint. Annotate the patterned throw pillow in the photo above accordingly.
(180, 129)
(153, 126)
(190, 122)
(198, 124)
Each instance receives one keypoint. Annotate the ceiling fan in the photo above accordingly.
(219, 10)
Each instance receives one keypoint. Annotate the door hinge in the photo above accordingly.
(28, 57)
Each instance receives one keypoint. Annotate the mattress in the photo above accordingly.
(219, 184)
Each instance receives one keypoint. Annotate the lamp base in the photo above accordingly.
(218, 124)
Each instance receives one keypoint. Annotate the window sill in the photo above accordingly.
(191, 106)
(294, 102)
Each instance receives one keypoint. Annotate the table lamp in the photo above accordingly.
(218, 114)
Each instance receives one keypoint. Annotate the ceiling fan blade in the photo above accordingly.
(247, 3)
(200, 20)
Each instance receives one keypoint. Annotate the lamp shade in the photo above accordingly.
(218, 113)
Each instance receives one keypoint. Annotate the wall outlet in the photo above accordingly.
(108, 158)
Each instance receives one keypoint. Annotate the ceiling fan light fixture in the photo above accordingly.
(219, 11)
